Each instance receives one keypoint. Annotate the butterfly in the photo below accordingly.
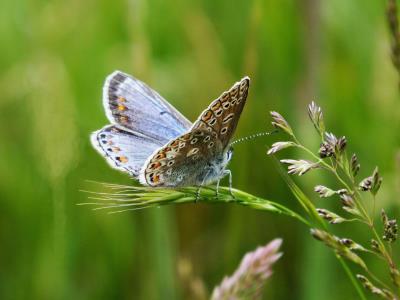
(153, 142)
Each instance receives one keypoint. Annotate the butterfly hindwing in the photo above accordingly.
(183, 161)
(133, 105)
(123, 150)
(222, 115)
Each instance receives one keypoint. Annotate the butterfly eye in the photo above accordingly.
(210, 145)
(170, 163)
(224, 130)
(206, 139)
(193, 141)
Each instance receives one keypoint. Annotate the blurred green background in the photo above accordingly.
(54, 58)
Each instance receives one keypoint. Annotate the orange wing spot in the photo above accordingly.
(174, 143)
(122, 159)
(160, 155)
(121, 99)
(185, 137)
(110, 143)
(234, 92)
(207, 116)
(116, 149)
(123, 119)
(216, 105)
(155, 165)
(121, 107)
(155, 178)
(225, 96)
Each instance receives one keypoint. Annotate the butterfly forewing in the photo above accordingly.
(133, 105)
(188, 159)
(222, 115)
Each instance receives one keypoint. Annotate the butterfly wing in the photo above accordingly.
(124, 150)
(184, 161)
(197, 157)
(133, 105)
(222, 115)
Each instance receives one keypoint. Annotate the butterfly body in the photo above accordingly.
(157, 145)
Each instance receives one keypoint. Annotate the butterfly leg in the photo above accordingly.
(217, 189)
(200, 186)
(228, 172)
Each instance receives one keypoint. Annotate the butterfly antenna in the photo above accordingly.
(253, 136)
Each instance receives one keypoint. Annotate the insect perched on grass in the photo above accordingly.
(154, 143)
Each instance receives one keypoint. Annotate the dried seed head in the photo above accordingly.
(375, 246)
(395, 275)
(316, 117)
(373, 289)
(334, 243)
(354, 165)
(280, 122)
(366, 184)
(371, 183)
(332, 146)
(326, 150)
(279, 146)
(389, 228)
(349, 204)
(352, 245)
(347, 200)
(377, 181)
(299, 167)
(323, 191)
(330, 216)
(341, 144)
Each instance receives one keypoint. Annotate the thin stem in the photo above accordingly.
(353, 280)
